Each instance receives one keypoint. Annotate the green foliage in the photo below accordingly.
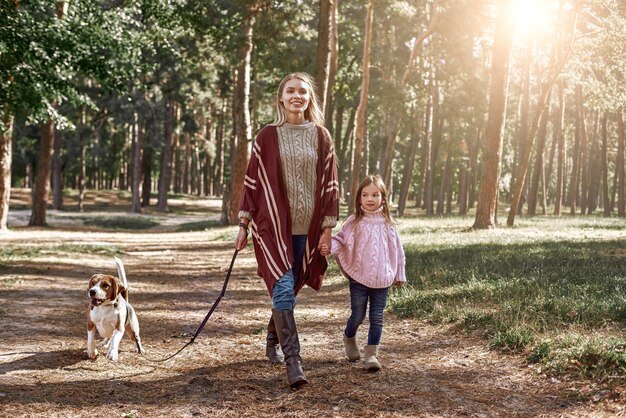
(43, 57)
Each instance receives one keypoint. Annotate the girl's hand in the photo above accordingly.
(242, 239)
(398, 283)
(324, 246)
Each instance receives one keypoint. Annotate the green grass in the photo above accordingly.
(199, 226)
(524, 288)
(32, 252)
(121, 222)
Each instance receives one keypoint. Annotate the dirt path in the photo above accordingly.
(175, 277)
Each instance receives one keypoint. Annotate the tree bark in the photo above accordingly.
(324, 50)
(408, 169)
(146, 169)
(595, 170)
(619, 162)
(136, 164)
(5, 166)
(606, 200)
(538, 173)
(560, 137)
(165, 173)
(334, 65)
(57, 171)
(243, 129)
(362, 108)
(584, 167)
(42, 179)
(492, 150)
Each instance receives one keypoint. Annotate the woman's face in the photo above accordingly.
(296, 96)
(371, 198)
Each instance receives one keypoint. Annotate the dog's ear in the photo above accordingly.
(115, 285)
(119, 288)
(92, 281)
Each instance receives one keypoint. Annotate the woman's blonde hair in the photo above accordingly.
(378, 182)
(312, 113)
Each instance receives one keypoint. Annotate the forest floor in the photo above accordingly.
(428, 370)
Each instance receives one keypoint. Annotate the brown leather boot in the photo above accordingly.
(288, 337)
(272, 349)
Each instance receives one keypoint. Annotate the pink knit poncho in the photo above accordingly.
(369, 250)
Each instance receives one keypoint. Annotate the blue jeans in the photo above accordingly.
(284, 294)
(359, 296)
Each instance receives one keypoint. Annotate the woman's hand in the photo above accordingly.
(324, 246)
(242, 237)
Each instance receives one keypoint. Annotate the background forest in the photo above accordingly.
(459, 104)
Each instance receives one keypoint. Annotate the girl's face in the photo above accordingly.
(371, 198)
(295, 97)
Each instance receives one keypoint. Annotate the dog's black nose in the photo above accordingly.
(92, 293)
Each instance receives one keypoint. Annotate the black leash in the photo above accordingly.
(208, 315)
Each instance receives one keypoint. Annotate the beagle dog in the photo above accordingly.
(110, 313)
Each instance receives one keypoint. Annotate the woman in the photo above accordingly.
(291, 204)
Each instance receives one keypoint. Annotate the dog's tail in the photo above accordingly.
(121, 273)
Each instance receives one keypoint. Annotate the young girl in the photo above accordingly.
(369, 253)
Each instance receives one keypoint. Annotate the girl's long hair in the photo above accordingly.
(312, 113)
(378, 182)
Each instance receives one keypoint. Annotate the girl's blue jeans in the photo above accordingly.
(284, 294)
(359, 297)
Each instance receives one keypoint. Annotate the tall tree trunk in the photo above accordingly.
(57, 174)
(82, 177)
(584, 168)
(429, 185)
(445, 184)
(187, 157)
(42, 179)
(146, 169)
(334, 65)
(409, 163)
(6, 137)
(606, 200)
(492, 150)
(165, 173)
(560, 138)
(324, 49)
(595, 169)
(243, 130)
(136, 163)
(218, 172)
(362, 109)
(424, 155)
(523, 130)
(538, 169)
(619, 161)
(474, 168)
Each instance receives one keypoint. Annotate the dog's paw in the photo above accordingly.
(112, 355)
(92, 354)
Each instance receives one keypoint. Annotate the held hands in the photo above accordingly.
(325, 243)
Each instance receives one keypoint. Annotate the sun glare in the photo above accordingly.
(534, 18)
